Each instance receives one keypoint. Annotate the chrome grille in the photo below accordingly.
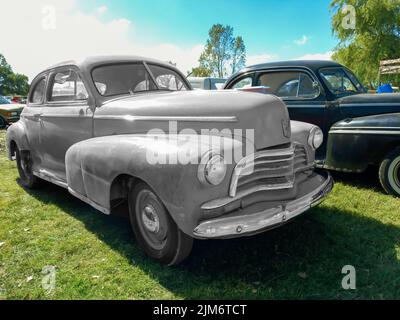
(268, 170)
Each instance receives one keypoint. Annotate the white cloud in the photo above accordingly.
(261, 58)
(102, 9)
(302, 41)
(317, 56)
(33, 44)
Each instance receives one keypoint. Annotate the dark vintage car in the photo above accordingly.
(107, 129)
(361, 129)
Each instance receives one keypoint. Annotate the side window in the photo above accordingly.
(67, 86)
(38, 92)
(167, 79)
(246, 82)
(290, 84)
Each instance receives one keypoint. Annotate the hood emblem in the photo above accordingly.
(286, 128)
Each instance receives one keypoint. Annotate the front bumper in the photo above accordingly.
(249, 224)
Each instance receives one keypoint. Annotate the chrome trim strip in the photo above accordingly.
(251, 223)
(64, 116)
(370, 104)
(168, 118)
(43, 174)
(89, 202)
(395, 132)
(365, 128)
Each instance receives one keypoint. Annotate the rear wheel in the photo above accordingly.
(389, 173)
(155, 231)
(24, 165)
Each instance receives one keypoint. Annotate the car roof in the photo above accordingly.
(311, 64)
(89, 63)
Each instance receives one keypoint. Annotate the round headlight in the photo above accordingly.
(315, 138)
(212, 169)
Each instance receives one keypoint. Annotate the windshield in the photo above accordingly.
(121, 79)
(4, 100)
(341, 82)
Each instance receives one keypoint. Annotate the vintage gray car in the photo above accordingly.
(97, 126)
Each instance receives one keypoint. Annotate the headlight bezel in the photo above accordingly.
(204, 170)
(314, 133)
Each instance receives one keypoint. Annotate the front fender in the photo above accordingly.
(93, 165)
(353, 144)
(17, 133)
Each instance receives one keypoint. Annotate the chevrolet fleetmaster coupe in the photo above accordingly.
(106, 129)
(361, 129)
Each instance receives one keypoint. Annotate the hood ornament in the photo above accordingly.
(286, 128)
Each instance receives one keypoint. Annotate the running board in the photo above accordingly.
(45, 175)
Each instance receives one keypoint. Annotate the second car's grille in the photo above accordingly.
(268, 170)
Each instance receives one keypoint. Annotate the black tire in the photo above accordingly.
(24, 165)
(389, 173)
(155, 231)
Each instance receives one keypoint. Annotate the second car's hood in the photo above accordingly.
(267, 115)
(12, 107)
(384, 98)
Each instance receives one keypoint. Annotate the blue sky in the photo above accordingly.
(169, 30)
(267, 26)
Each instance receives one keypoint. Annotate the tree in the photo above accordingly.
(10, 82)
(200, 72)
(223, 54)
(374, 35)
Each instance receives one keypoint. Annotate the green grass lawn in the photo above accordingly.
(96, 257)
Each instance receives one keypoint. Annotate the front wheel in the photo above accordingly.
(389, 173)
(155, 231)
(24, 165)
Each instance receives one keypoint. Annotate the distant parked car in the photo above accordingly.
(207, 83)
(361, 128)
(9, 112)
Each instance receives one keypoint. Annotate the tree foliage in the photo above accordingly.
(200, 72)
(12, 83)
(375, 36)
(224, 54)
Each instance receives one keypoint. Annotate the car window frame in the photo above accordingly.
(183, 78)
(72, 103)
(251, 74)
(345, 72)
(34, 84)
(302, 70)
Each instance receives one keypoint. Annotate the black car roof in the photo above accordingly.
(313, 65)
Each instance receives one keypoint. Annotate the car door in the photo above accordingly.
(66, 119)
(31, 118)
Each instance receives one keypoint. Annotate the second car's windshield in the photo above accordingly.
(121, 79)
(340, 82)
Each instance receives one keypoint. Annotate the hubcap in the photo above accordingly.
(394, 174)
(150, 219)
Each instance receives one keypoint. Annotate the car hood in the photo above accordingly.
(267, 115)
(372, 98)
(12, 107)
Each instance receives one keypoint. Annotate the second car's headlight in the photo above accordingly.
(212, 169)
(315, 138)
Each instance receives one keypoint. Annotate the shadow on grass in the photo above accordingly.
(366, 180)
(303, 259)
